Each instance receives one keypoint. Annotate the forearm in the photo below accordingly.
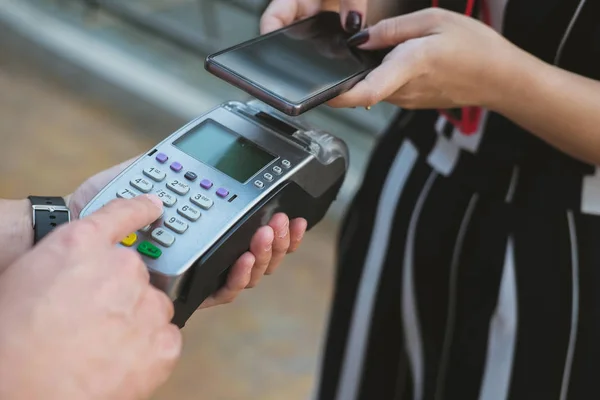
(16, 232)
(560, 107)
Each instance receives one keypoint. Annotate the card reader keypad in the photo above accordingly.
(175, 192)
(171, 192)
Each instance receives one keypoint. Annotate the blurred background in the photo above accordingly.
(86, 84)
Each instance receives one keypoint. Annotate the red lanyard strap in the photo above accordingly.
(485, 12)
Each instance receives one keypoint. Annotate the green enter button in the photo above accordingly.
(149, 250)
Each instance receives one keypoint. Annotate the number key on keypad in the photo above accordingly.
(202, 201)
(142, 184)
(176, 224)
(126, 194)
(189, 212)
(163, 237)
(178, 187)
(155, 174)
(167, 198)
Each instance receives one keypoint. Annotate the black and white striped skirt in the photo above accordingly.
(468, 268)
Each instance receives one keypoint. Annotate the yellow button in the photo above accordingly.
(129, 240)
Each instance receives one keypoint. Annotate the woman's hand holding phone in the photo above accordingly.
(440, 59)
(281, 13)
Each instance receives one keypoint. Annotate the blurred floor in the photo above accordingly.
(265, 345)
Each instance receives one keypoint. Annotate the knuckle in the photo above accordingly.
(118, 203)
(230, 297)
(130, 263)
(176, 342)
(127, 257)
(89, 226)
(294, 246)
(76, 234)
(372, 97)
(281, 245)
(165, 302)
(389, 30)
(261, 261)
(436, 16)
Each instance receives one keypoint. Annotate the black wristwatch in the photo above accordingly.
(48, 213)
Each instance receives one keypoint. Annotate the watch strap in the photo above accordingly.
(48, 213)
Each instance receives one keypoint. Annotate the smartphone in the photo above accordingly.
(296, 68)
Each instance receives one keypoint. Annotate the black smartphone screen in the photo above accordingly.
(299, 62)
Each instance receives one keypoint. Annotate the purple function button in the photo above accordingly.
(206, 184)
(161, 158)
(176, 166)
(222, 192)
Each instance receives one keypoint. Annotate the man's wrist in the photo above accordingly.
(24, 225)
(16, 233)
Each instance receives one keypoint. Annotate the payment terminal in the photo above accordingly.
(221, 177)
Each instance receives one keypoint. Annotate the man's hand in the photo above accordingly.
(80, 319)
(268, 247)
